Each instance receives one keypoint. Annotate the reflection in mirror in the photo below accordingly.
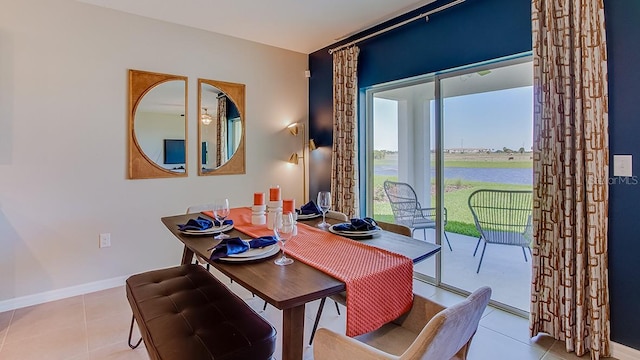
(157, 125)
(221, 127)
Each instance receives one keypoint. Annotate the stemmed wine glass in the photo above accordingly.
(324, 201)
(283, 229)
(220, 212)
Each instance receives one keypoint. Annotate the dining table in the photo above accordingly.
(289, 287)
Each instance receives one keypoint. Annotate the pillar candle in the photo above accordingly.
(274, 193)
(288, 205)
(258, 198)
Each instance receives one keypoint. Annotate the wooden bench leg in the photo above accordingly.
(131, 333)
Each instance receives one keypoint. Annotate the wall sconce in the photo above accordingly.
(294, 129)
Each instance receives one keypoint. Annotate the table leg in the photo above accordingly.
(293, 333)
(187, 256)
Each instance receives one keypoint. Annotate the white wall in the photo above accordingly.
(63, 126)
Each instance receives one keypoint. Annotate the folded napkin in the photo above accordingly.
(309, 208)
(225, 222)
(364, 224)
(196, 224)
(236, 245)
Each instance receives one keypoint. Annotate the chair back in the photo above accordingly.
(331, 214)
(395, 228)
(449, 332)
(403, 200)
(502, 216)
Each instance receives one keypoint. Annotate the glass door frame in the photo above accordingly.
(366, 148)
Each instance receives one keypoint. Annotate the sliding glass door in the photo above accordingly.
(448, 135)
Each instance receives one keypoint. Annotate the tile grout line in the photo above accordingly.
(4, 338)
(547, 351)
(86, 328)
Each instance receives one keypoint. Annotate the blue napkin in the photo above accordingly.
(262, 242)
(235, 245)
(196, 224)
(225, 222)
(365, 224)
(309, 208)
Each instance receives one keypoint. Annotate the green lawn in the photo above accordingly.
(459, 218)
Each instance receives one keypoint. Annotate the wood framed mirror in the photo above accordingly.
(157, 125)
(221, 128)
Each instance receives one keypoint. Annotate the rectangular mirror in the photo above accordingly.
(157, 125)
(221, 127)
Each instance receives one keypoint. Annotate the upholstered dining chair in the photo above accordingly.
(341, 298)
(428, 331)
(331, 214)
(407, 209)
(197, 209)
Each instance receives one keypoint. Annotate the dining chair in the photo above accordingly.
(502, 217)
(331, 214)
(341, 298)
(428, 331)
(197, 209)
(407, 209)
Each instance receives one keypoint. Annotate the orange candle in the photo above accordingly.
(258, 198)
(274, 193)
(288, 205)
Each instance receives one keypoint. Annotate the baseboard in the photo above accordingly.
(623, 352)
(58, 294)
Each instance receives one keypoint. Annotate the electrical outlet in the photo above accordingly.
(105, 240)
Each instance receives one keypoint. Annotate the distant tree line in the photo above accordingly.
(509, 151)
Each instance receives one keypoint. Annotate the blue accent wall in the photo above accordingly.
(623, 30)
(480, 30)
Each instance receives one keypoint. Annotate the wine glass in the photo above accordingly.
(283, 229)
(220, 212)
(324, 201)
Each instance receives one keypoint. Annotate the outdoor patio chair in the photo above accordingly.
(502, 217)
(407, 210)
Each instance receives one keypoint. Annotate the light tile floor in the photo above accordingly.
(96, 325)
(503, 269)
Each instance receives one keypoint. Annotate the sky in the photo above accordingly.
(489, 120)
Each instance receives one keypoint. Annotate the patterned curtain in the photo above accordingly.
(221, 130)
(344, 169)
(569, 294)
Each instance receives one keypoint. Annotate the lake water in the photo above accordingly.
(503, 176)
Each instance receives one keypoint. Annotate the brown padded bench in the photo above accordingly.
(184, 312)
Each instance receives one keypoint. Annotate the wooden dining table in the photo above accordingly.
(290, 287)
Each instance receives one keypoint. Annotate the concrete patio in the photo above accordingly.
(503, 268)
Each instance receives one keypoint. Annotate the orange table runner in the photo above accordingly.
(379, 283)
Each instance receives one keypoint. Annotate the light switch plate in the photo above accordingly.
(622, 165)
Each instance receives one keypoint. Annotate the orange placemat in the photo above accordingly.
(379, 283)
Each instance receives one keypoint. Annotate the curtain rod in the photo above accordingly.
(424, 15)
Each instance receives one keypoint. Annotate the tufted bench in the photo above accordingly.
(184, 312)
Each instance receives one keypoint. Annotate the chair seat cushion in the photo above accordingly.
(185, 313)
(390, 338)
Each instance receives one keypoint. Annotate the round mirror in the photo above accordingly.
(157, 144)
(220, 128)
